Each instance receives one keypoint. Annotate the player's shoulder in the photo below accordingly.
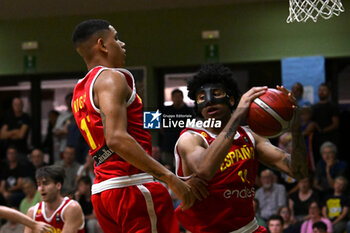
(30, 211)
(190, 137)
(73, 209)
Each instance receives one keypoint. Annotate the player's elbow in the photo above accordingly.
(118, 142)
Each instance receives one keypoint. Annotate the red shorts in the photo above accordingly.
(139, 208)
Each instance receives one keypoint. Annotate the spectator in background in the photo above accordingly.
(271, 196)
(336, 206)
(315, 216)
(180, 111)
(326, 116)
(288, 225)
(83, 196)
(48, 141)
(32, 196)
(60, 130)
(37, 158)
(256, 207)
(76, 140)
(71, 168)
(299, 200)
(298, 91)
(319, 227)
(329, 167)
(16, 127)
(275, 224)
(308, 127)
(87, 169)
(11, 180)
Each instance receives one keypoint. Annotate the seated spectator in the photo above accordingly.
(319, 227)
(271, 196)
(256, 207)
(315, 216)
(70, 167)
(83, 196)
(288, 225)
(87, 169)
(32, 195)
(12, 174)
(12, 227)
(299, 200)
(275, 224)
(329, 167)
(37, 158)
(336, 206)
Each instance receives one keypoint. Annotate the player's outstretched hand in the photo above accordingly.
(248, 98)
(198, 187)
(182, 191)
(41, 227)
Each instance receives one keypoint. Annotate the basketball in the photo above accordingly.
(269, 115)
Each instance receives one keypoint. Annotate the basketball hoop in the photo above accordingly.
(302, 10)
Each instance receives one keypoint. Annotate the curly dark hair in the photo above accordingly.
(214, 73)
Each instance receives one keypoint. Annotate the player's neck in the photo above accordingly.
(53, 205)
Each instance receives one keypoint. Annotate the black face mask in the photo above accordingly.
(209, 94)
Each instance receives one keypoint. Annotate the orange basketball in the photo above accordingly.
(269, 115)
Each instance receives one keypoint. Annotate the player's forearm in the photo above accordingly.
(298, 165)
(15, 216)
(127, 148)
(218, 149)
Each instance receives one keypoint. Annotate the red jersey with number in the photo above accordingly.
(88, 118)
(56, 220)
(229, 205)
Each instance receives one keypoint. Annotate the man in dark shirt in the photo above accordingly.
(16, 127)
(326, 116)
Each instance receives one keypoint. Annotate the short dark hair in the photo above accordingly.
(86, 29)
(177, 91)
(276, 217)
(319, 225)
(52, 172)
(214, 73)
(85, 179)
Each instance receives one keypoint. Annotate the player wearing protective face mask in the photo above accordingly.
(226, 157)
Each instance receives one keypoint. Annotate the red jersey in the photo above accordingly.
(229, 205)
(88, 119)
(56, 220)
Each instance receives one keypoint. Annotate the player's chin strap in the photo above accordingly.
(102, 155)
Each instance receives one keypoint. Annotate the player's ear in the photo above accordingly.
(232, 101)
(59, 185)
(101, 45)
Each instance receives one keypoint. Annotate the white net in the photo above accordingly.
(302, 10)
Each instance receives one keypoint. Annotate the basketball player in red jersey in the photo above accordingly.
(63, 214)
(227, 156)
(108, 111)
